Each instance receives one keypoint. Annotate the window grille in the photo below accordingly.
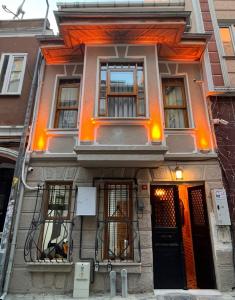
(117, 232)
(50, 234)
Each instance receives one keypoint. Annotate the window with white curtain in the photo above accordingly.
(12, 69)
(121, 93)
(175, 105)
(67, 103)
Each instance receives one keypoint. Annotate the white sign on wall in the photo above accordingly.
(86, 201)
(221, 207)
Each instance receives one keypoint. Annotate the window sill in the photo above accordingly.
(61, 131)
(227, 57)
(50, 266)
(176, 130)
(131, 267)
(122, 121)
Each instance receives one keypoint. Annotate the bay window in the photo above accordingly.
(121, 90)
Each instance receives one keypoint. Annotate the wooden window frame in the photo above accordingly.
(109, 93)
(62, 108)
(175, 82)
(118, 219)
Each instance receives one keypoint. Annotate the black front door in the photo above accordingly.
(201, 238)
(168, 262)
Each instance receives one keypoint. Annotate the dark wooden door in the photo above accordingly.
(201, 238)
(6, 176)
(168, 262)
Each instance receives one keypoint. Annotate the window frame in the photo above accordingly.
(108, 219)
(58, 97)
(184, 107)
(8, 72)
(231, 28)
(109, 93)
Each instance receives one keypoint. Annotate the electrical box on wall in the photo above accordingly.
(221, 207)
(86, 201)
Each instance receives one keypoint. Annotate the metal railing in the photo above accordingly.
(118, 241)
(48, 239)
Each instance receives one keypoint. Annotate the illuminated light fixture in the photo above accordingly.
(204, 145)
(178, 173)
(156, 133)
(159, 192)
(40, 144)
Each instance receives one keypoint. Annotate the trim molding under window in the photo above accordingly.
(12, 70)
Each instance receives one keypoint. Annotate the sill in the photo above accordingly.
(61, 131)
(121, 121)
(10, 94)
(131, 267)
(175, 130)
(227, 57)
(50, 266)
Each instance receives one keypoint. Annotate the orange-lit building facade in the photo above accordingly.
(123, 108)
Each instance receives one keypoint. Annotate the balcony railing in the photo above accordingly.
(49, 238)
(119, 3)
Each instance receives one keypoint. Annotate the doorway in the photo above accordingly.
(6, 176)
(182, 253)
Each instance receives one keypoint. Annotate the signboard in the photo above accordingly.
(221, 207)
(86, 201)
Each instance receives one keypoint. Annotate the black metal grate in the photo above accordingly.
(198, 213)
(117, 235)
(165, 208)
(50, 233)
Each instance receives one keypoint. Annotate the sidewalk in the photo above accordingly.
(148, 296)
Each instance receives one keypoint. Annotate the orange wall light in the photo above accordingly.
(203, 143)
(40, 143)
(156, 133)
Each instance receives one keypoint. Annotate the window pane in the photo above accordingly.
(3, 71)
(69, 96)
(118, 196)
(122, 107)
(174, 118)
(121, 82)
(227, 41)
(67, 119)
(58, 201)
(16, 73)
(173, 96)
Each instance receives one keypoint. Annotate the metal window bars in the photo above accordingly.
(117, 233)
(49, 237)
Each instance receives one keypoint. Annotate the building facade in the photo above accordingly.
(122, 123)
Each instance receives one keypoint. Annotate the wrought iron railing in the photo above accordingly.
(118, 241)
(49, 237)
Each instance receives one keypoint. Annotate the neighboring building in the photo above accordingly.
(123, 109)
(18, 53)
(223, 100)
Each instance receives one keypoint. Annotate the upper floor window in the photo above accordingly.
(121, 90)
(12, 68)
(226, 34)
(67, 103)
(175, 105)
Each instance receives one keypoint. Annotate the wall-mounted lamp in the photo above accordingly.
(178, 173)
